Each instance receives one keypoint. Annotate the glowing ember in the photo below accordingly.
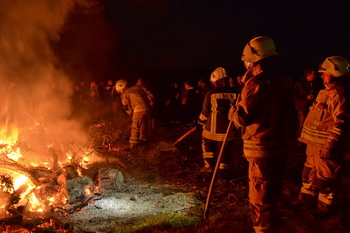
(88, 191)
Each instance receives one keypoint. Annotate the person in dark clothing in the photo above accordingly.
(108, 92)
(305, 92)
(173, 104)
(190, 103)
(237, 85)
(202, 89)
(240, 84)
(213, 117)
(108, 99)
(94, 101)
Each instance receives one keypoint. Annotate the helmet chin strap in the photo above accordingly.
(247, 76)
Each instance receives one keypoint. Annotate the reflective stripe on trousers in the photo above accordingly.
(211, 150)
(320, 177)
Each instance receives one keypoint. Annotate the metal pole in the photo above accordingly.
(229, 127)
(216, 169)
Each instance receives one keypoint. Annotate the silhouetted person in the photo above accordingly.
(190, 103)
(173, 104)
(306, 90)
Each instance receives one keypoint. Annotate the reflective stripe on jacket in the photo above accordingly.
(263, 113)
(216, 106)
(136, 99)
(329, 117)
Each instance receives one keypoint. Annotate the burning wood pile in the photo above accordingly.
(31, 192)
(62, 198)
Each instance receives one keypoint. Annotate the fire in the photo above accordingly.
(8, 136)
(8, 140)
(19, 180)
(26, 189)
(69, 156)
(33, 162)
(35, 133)
(21, 186)
(85, 159)
(38, 195)
(15, 154)
(89, 191)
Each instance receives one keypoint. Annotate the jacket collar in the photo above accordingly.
(331, 85)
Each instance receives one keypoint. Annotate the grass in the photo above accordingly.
(169, 220)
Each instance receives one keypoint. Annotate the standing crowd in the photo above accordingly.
(260, 105)
(263, 115)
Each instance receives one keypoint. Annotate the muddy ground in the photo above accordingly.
(228, 210)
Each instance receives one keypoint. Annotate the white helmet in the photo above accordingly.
(217, 74)
(120, 85)
(258, 48)
(337, 66)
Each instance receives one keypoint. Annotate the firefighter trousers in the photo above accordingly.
(320, 178)
(139, 127)
(265, 187)
(211, 150)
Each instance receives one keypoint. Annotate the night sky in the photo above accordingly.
(167, 40)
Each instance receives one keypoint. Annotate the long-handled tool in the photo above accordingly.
(216, 170)
(163, 146)
(229, 127)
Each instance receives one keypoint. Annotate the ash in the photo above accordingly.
(135, 200)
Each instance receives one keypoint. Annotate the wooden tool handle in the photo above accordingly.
(185, 135)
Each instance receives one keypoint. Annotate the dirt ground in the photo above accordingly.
(150, 168)
(228, 210)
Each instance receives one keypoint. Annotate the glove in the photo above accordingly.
(231, 112)
(199, 126)
(129, 112)
(328, 153)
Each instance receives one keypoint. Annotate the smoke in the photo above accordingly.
(35, 92)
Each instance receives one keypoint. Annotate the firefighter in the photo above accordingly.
(213, 119)
(262, 113)
(326, 132)
(137, 105)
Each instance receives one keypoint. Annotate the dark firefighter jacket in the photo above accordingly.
(216, 105)
(263, 111)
